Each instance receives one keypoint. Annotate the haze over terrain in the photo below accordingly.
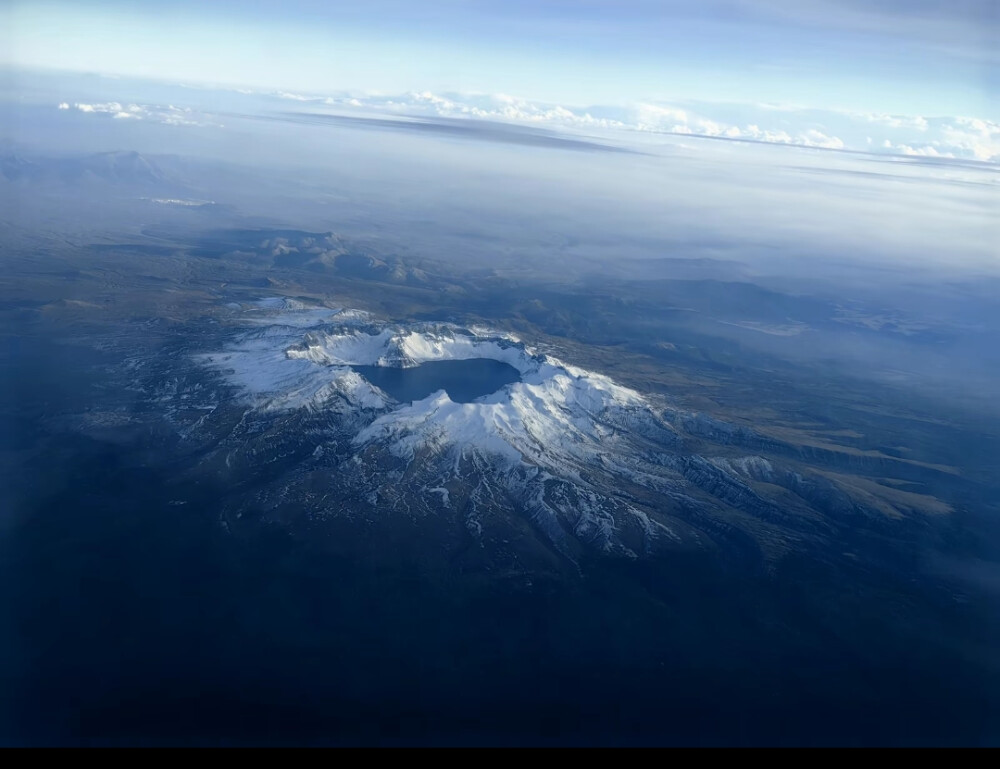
(342, 408)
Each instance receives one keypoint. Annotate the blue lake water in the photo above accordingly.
(463, 380)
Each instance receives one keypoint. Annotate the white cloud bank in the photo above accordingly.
(170, 115)
(915, 135)
(911, 135)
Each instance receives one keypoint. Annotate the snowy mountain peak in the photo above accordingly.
(559, 443)
(297, 356)
(557, 452)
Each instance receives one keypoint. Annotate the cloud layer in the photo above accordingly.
(170, 115)
(915, 135)
(948, 137)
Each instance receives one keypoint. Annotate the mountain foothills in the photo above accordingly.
(669, 521)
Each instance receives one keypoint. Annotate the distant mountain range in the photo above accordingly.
(123, 168)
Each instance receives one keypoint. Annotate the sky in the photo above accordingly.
(909, 57)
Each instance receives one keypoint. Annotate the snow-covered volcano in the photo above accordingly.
(547, 445)
(556, 416)
(578, 460)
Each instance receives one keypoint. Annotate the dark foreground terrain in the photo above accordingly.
(143, 610)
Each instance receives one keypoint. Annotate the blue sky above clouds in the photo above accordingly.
(901, 76)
